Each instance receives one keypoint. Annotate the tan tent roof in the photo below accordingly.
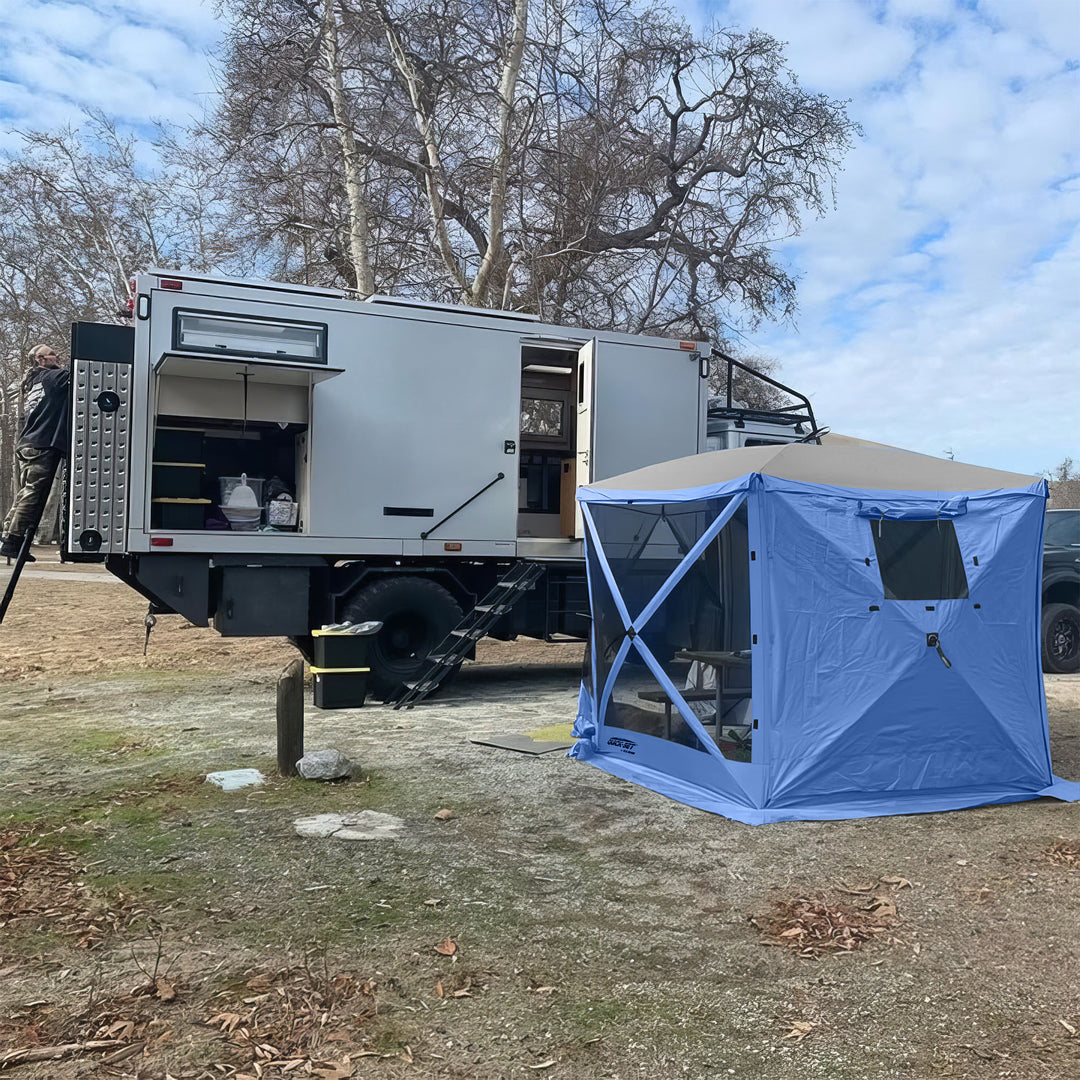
(850, 466)
(833, 438)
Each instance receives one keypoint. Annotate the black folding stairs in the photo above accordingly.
(453, 648)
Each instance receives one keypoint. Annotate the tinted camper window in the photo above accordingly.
(919, 560)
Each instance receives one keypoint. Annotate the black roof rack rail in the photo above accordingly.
(800, 412)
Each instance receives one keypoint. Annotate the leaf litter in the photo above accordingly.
(1064, 853)
(298, 1022)
(39, 886)
(815, 925)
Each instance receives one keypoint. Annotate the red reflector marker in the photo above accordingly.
(170, 283)
(689, 346)
(161, 541)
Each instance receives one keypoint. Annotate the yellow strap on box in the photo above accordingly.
(338, 670)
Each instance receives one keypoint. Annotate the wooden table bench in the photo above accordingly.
(691, 695)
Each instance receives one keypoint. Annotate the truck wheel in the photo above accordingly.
(1061, 639)
(416, 614)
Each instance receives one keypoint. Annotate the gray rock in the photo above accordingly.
(324, 765)
(364, 825)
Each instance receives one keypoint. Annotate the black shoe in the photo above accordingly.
(12, 546)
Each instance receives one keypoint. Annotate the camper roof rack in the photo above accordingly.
(727, 408)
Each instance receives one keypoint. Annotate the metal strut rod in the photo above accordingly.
(426, 534)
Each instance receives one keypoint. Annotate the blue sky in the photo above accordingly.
(938, 303)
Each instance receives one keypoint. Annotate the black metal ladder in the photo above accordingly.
(453, 648)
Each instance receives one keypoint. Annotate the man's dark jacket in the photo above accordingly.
(46, 424)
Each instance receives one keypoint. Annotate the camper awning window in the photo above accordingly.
(230, 370)
(236, 335)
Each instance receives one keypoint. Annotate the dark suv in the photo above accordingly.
(1061, 592)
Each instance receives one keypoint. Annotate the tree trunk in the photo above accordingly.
(501, 165)
(359, 247)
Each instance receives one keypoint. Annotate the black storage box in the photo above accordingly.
(177, 480)
(178, 513)
(262, 601)
(339, 649)
(339, 688)
(178, 444)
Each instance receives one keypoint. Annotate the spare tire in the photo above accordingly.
(416, 613)
(1061, 639)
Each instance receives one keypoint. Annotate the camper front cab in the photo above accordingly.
(273, 457)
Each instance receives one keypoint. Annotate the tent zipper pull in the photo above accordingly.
(933, 643)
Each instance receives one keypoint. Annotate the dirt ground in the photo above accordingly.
(557, 922)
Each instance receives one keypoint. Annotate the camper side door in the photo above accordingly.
(648, 406)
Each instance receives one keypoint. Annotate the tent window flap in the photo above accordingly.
(919, 560)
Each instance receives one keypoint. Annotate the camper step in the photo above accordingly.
(424, 686)
(451, 651)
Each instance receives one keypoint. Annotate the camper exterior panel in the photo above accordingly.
(420, 420)
(646, 406)
(422, 416)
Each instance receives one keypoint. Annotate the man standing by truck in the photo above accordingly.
(42, 443)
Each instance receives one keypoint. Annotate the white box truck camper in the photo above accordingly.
(398, 461)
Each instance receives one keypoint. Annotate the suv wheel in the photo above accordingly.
(1061, 639)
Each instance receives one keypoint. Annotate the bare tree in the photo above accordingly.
(591, 160)
(80, 212)
(1064, 483)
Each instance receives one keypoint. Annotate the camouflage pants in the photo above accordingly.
(36, 471)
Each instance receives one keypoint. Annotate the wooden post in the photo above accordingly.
(290, 717)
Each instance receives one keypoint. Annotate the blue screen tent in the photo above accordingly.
(811, 632)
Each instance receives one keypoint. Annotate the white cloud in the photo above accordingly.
(132, 59)
(938, 303)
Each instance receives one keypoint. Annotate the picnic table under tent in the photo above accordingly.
(809, 632)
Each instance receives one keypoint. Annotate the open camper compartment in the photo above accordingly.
(231, 403)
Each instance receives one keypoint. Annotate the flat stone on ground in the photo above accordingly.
(364, 825)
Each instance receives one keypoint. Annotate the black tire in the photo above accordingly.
(416, 614)
(1061, 639)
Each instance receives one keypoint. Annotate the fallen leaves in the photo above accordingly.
(461, 991)
(816, 925)
(1064, 853)
(287, 1025)
(446, 947)
(40, 885)
(800, 1029)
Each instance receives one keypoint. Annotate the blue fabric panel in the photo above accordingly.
(856, 700)
(653, 775)
(913, 510)
(698, 494)
(584, 724)
(676, 771)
